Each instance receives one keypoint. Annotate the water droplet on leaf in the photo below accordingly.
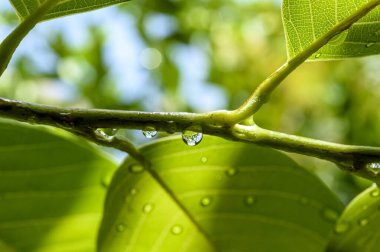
(120, 228)
(370, 44)
(147, 208)
(176, 229)
(363, 222)
(192, 135)
(375, 193)
(318, 55)
(249, 200)
(231, 172)
(206, 201)
(329, 214)
(341, 227)
(133, 191)
(136, 168)
(204, 160)
(149, 132)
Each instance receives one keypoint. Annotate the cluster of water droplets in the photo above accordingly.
(343, 226)
(192, 135)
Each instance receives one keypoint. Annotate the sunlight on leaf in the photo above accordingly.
(25, 7)
(220, 196)
(305, 21)
(51, 190)
(358, 227)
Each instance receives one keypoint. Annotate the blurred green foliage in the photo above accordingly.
(242, 42)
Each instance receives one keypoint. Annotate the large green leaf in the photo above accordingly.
(25, 7)
(306, 20)
(219, 196)
(52, 190)
(358, 227)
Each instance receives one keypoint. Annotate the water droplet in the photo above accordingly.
(206, 201)
(136, 168)
(329, 214)
(318, 55)
(176, 229)
(120, 228)
(147, 208)
(192, 135)
(363, 222)
(373, 167)
(231, 172)
(105, 133)
(149, 132)
(133, 191)
(171, 127)
(342, 227)
(375, 193)
(339, 39)
(370, 44)
(249, 200)
(204, 160)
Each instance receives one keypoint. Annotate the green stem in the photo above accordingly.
(12, 41)
(83, 122)
(102, 118)
(348, 157)
(261, 95)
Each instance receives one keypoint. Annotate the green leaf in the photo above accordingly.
(52, 189)
(305, 21)
(219, 195)
(25, 7)
(358, 227)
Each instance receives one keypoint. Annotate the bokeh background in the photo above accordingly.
(196, 56)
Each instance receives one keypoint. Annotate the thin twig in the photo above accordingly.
(261, 95)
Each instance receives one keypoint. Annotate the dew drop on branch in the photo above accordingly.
(192, 135)
(106, 134)
(373, 167)
(149, 132)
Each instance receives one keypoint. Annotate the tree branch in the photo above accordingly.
(84, 122)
